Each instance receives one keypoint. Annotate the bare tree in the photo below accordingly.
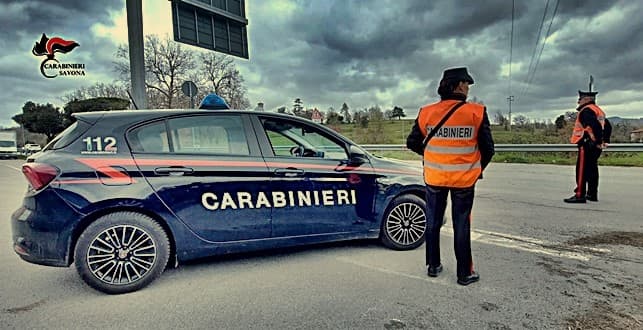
(236, 93)
(100, 89)
(167, 65)
(220, 76)
(218, 70)
(375, 113)
(500, 118)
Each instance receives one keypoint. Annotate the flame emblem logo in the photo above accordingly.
(49, 47)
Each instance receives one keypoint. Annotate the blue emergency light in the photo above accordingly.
(213, 102)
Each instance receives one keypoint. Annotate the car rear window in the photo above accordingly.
(69, 135)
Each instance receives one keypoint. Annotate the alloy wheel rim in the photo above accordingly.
(406, 224)
(121, 255)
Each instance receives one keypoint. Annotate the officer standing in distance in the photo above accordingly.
(592, 134)
(455, 140)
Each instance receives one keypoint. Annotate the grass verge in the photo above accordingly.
(631, 159)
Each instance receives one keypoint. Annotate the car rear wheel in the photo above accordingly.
(404, 223)
(121, 252)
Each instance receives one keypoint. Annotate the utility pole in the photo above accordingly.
(510, 99)
(136, 52)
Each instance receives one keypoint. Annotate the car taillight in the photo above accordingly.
(39, 175)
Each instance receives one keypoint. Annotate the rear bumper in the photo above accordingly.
(41, 236)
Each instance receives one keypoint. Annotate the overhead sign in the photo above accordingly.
(219, 25)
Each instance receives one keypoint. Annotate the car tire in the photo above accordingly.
(404, 223)
(121, 252)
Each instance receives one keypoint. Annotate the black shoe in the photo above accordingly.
(435, 270)
(575, 199)
(592, 198)
(474, 277)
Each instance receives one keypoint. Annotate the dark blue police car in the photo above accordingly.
(123, 193)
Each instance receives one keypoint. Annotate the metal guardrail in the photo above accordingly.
(616, 147)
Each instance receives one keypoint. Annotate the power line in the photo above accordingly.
(543, 46)
(533, 54)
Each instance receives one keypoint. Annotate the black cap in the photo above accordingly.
(458, 74)
(582, 94)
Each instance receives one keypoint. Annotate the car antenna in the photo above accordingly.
(132, 99)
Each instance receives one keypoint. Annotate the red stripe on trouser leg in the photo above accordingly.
(581, 169)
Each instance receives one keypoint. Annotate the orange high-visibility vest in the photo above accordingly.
(579, 130)
(452, 157)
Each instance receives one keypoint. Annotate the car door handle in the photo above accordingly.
(173, 170)
(289, 172)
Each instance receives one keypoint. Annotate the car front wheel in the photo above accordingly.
(404, 223)
(121, 252)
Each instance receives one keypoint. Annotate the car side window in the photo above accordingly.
(213, 134)
(293, 139)
(150, 138)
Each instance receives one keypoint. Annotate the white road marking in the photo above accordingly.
(386, 271)
(533, 240)
(522, 243)
(527, 244)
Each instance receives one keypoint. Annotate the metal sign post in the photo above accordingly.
(189, 89)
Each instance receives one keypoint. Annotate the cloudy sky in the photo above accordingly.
(364, 53)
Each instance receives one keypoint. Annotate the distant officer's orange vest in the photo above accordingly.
(579, 130)
(452, 158)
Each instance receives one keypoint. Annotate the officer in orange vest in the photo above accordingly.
(454, 156)
(592, 134)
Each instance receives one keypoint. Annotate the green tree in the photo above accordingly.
(334, 118)
(360, 118)
(41, 118)
(397, 112)
(560, 122)
(521, 121)
(93, 104)
(298, 108)
(344, 111)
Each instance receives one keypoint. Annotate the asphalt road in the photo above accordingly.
(543, 264)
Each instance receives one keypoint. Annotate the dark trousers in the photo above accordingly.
(587, 170)
(461, 205)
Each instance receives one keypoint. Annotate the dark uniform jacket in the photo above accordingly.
(485, 141)
(587, 117)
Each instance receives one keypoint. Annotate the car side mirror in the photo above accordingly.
(356, 155)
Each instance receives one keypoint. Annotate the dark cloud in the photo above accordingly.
(35, 17)
(363, 49)
(23, 23)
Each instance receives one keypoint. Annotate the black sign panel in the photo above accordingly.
(219, 25)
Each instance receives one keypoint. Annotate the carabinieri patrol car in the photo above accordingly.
(122, 194)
